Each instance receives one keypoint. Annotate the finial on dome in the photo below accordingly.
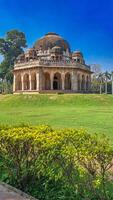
(51, 33)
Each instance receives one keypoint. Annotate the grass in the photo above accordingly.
(89, 111)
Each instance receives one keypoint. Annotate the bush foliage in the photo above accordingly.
(56, 164)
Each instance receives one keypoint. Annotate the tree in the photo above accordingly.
(10, 47)
(112, 80)
(100, 78)
(107, 77)
(96, 69)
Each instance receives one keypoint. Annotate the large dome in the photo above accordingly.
(51, 40)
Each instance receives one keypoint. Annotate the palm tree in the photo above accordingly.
(107, 77)
(112, 80)
(100, 79)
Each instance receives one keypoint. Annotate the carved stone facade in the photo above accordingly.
(50, 66)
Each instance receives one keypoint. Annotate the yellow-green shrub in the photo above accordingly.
(62, 162)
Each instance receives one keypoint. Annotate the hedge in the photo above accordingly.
(56, 164)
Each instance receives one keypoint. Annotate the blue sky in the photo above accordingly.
(86, 24)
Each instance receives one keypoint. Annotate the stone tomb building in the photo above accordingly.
(50, 66)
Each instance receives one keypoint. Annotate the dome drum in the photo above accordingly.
(56, 50)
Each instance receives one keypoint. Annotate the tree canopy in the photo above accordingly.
(11, 47)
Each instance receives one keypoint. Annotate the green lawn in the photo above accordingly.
(92, 112)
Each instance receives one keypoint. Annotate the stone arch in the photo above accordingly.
(33, 81)
(67, 81)
(47, 82)
(57, 81)
(78, 82)
(18, 82)
(83, 83)
(26, 82)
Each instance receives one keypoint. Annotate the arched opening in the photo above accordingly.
(57, 82)
(79, 82)
(68, 81)
(87, 83)
(26, 82)
(33, 81)
(18, 82)
(83, 83)
(47, 84)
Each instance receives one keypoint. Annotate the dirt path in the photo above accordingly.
(6, 193)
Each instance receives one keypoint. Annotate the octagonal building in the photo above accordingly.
(50, 66)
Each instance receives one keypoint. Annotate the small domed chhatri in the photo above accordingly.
(51, 66)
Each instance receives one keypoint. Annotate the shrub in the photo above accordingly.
(56, 164)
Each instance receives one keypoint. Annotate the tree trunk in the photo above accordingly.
(112, 84)
(106, 87)
(100, 88)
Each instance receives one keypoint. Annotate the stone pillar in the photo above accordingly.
(37, 81)
(80, 83)
(89, 83)
(63, 81)
(85, 84)
(22, 80)
(14, 83)
(74, 81)
(30, 83)
(51, 79)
